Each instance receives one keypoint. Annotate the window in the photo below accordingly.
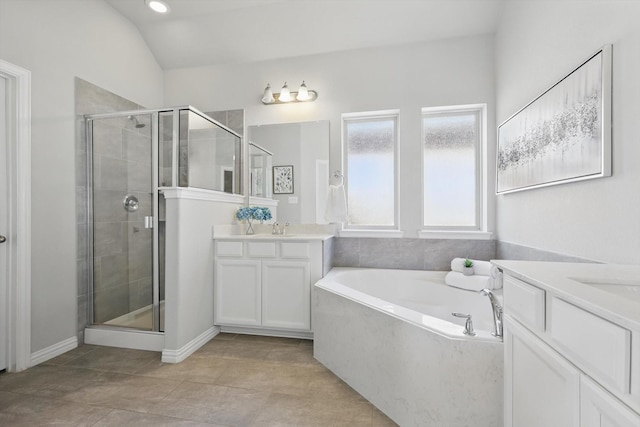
(370, 143)
(453, 140)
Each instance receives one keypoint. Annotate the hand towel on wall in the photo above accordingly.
(336, 204)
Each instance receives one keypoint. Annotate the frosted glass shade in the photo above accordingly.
(267, 97)
(303, 93)
(285, 94)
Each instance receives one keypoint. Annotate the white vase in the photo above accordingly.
(467, 271)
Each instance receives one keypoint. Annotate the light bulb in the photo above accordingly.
(285, 94)
(157, 6)
(267, 97)
(303, 93)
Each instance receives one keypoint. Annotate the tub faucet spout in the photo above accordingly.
(497, 313)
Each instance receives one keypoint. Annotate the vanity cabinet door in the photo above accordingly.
(600, 409)
(542, 389)
(286, 295)
(237, 292)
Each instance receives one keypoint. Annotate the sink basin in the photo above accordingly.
(626, 288)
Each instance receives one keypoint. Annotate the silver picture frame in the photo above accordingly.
(563, 135)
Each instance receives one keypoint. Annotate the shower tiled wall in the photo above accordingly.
(114, 233)
(233, 119)
(122, 245)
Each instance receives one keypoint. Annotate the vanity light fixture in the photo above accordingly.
(286, 96)
(157, 6)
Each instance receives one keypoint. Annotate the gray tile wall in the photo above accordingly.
(233, 119)
(118, 167)
(511, 251)
(327, 256)
(408, 254)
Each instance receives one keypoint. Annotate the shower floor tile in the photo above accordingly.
(234, 380)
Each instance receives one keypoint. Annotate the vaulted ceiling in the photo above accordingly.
(213, 32)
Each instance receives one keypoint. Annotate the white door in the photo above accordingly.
(3, 226)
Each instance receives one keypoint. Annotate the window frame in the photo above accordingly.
(347, 229)
(479, 230)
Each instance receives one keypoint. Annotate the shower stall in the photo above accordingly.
(132, 157)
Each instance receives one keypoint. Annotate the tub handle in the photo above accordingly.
(468, 325)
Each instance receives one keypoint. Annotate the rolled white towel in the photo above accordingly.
(480, 268)
(495, 278)
(471, 283)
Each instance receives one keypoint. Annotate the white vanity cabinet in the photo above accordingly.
(541, 387)
(567, 362)
(263, 285)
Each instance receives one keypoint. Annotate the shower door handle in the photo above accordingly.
(148, 222)
(3, 239)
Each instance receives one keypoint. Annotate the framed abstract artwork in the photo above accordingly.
(283, 180)
(564, 135)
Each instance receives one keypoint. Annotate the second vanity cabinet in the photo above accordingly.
(263, 285)
(567, 361)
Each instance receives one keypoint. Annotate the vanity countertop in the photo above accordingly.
(287, 237)
(609, 290)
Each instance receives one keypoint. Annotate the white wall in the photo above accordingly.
(408, 77)
(56, 41)
(189, 266)
(537, 44)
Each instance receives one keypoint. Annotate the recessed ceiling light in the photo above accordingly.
(157, 6)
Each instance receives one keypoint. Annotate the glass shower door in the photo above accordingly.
(123, 206)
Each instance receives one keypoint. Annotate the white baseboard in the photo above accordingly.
(267, 332)
(52, 351)
(177, 356)
(138, 340)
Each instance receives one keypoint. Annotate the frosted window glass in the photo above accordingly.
(371, 171)
(450, 144)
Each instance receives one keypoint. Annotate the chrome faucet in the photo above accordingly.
(497, 313)
(468, 324)
(279, 230)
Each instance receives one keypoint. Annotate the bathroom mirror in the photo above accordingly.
(260, 164)
(305, 147)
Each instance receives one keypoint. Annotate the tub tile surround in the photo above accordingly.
(407, 253)
(512, 251)
(431, 254)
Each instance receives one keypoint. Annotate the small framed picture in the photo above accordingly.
(283, 180)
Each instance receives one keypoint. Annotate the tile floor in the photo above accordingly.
(234, 380)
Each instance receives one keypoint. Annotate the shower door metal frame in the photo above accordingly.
(156, 189)
(154, 124)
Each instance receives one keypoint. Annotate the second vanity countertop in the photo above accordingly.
(609, 290)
